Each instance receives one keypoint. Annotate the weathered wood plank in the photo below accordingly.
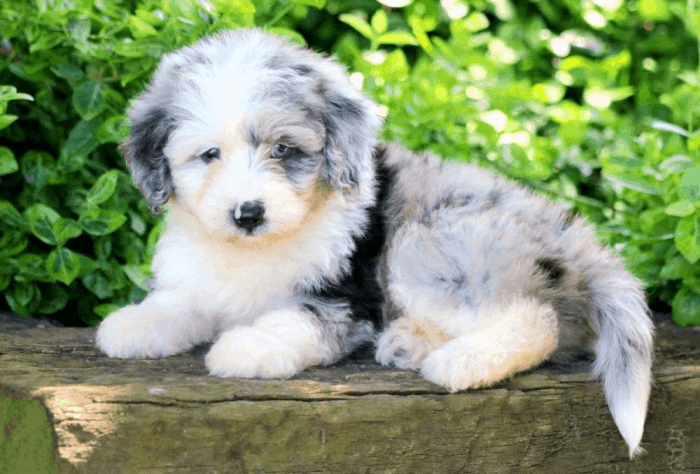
(151, 416)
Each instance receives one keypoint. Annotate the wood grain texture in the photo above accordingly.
(167, 415)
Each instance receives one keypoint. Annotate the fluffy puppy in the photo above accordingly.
(294, 237)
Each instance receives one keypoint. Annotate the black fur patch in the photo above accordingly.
(452, 200)
(345, 123)
(553, 267)
(359, 287)
(299, 166)
(150, 134)
(144, 154)
(302, 69)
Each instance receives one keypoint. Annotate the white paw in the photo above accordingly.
(455, 367)
(133, 332)
(249, 352)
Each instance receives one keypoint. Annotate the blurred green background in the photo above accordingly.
(591, 103)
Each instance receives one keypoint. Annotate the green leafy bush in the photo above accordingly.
(593, 104)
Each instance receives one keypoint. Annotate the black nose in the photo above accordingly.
(249, 215)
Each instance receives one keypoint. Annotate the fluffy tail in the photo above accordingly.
(620, 316)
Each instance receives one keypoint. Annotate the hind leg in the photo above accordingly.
(461, 316)
(421, 277)
(519, 336)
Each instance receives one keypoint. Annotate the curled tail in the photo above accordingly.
(620, 316)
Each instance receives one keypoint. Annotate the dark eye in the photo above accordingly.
(280, 151)
(211, 154)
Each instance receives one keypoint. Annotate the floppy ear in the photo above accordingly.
(350, 124)
(143, 151)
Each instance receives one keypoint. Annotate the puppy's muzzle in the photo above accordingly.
(248, 215)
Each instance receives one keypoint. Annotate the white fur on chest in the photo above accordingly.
(240, 282)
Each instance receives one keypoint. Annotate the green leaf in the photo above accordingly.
(674, 269)
(694, 141)
(312, 3)
(46, 42)
(137, 223)
(395, 3)
(25, 292)
(101, 221)
(669, 127)
(102, 189)
(358, 24)
(680, 209)
(140, 275)
(654, 10)
(692, 282)
(6, 120)
(675, 164)
(39, 169)
(10, 216)
(63, 265)
(87, 99)
(690, 184)
(114, 100)
(113, 129)
(105, 310)
(686, 307)
(139, 28)
(398, 38)
(380, 21)
(476, 21)
(53, 299)
(41, 219)
(566, 111)
(179, 8)
(130, 50)
(687, 238)
(238, 13)
(5, 280)
(602, 98)
(33, 268)
(98, 284)
(549, 92)
(66, 229)
(14, 305)
(67, 71)
(103, 247)
(8, 163)
(628, 172)
(80, 29)
(8, 93)
(12, 243)
(81, 141)
(292, 35)
(155, 234)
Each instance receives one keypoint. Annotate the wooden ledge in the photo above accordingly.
(64, 407)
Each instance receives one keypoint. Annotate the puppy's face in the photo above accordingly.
(250, 136)
(249, 174)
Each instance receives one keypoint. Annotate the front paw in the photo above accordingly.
(131, 332)
(249, 352)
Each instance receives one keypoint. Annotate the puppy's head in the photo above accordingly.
(250, 134)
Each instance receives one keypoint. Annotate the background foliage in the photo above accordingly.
(592, 103)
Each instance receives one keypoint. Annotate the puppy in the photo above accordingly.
(294, 237)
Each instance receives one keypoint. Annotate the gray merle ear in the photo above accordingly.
(143, 151)
(350, 124)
